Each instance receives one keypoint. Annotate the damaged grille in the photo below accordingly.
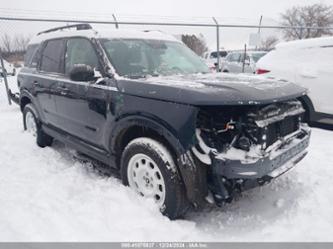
(281, 129)
(245, 126)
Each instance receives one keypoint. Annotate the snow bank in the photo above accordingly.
(48, 195)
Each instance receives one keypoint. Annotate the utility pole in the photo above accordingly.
(244, 58)
(217, 44)
(115, 20)
(4, 74)
(259, 29)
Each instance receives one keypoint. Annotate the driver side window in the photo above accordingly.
(80, 51)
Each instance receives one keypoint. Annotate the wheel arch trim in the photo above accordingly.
(308, 106)
(185, 164)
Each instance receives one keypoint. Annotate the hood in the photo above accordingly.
(213, 89)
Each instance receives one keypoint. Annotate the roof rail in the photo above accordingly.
(81, 26)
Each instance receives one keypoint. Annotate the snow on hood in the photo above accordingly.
(218, 79)
(212, 89)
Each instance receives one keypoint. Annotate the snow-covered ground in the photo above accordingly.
(47, 195)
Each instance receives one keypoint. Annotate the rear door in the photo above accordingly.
(81, 105)
(45, 81)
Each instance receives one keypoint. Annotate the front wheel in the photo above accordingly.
(32, 125)
(148, 168)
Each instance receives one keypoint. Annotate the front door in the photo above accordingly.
(82, 105)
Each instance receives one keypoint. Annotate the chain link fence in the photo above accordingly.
(218, 33)
(226, 33)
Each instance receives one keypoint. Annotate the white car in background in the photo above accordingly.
(10, 69)
(234, 62)
(308, 63)
(211, 59)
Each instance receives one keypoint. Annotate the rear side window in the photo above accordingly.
(53, 57)
(234, 57)
(29, 54)
(36, 57)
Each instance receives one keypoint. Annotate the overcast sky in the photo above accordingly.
(230, 8)
(239, 11)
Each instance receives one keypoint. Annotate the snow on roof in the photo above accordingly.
(112, 34)
(306, 43)
(63, 33)
(134, 34)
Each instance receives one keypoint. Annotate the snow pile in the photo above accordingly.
(47, 195)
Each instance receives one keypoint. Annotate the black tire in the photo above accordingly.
(175, 202)
(42, 139)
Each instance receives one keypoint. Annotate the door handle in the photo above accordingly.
(35, 83)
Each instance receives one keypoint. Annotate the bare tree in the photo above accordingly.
(18, 43)
(6, 43)
(316, 15)
(197, 44)
(21, 43)
(268, 43)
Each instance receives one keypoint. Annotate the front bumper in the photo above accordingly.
(228, 175)
(287, 153)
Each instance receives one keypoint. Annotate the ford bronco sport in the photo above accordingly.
(146, 106)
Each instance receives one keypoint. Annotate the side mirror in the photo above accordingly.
(82, 72)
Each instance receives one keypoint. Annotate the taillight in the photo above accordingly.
(262, 71)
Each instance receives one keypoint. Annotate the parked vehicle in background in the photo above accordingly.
(146, 106)
(10, 69)
(234, 62)
(211, 59)
(308, 63)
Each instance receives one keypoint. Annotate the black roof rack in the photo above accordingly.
(81, 26)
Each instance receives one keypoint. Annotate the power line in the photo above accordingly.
(184, 24)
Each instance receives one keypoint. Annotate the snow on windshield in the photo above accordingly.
(138, 58)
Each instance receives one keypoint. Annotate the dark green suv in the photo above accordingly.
(146, 106)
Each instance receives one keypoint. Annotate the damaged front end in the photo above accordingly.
(247, 146)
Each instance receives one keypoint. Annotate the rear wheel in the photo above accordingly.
(148, 168)
(33, 126)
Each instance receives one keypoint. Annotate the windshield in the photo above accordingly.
(257, 56)
(136, 58)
